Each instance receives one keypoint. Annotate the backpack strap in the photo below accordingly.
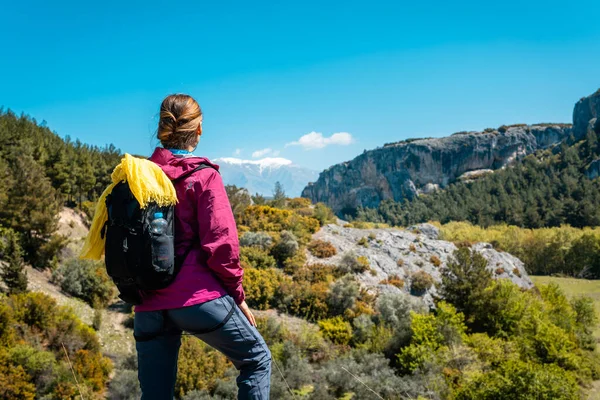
(179, 260)
(188, 173)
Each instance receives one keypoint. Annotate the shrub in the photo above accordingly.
(295, 263)
(372, 236)
(363, 263)
(323, 214)
(322, 249)
(523, 380)
(350, 263)
(412, 248)
(256, 257)
(304, 299)
(499, 271)
(199, 366)
(85, 279)
(435, 260)
(298, 202)
(97, 320)
(93, 367)
(38, 364)
(336, 329)
(15, 383)
(363, 241)
(400, 262)
(256, 239)
(517, 272)
(270, 219)
(124, 386)
(261, 287)
(393, 280)
(343, 294)
(286, 247)
(421, 281)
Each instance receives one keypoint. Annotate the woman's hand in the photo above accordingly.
(246, 310)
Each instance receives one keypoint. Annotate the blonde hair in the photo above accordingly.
(180, 117)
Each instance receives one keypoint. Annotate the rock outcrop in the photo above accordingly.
(421, 166)
(402, 253)
(586, 114)
(405, 169)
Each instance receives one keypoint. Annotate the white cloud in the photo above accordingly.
(263, 152)
(275, 153)
(237, 152)
(316, 140)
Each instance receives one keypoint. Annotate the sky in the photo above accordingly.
(314, 82)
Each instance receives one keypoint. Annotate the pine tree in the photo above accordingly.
(32, 206)
(13, 273)
(464, 281)
(278, 195)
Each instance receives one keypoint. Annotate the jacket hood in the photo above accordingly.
(174, 166)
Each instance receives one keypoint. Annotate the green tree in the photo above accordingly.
(32, 207)
(13, 273)
(278, 195)
(464, 281)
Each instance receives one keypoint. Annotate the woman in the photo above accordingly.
(206, 297)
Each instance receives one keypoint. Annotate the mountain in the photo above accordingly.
(259, 176)
(407, 169)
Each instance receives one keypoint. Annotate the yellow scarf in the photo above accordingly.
(147, 182)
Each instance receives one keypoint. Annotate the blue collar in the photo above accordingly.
(181, 152)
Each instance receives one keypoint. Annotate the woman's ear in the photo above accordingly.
(199, 130)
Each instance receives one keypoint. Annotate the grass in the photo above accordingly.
(577, 287)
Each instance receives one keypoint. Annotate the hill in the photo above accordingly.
(404, 171)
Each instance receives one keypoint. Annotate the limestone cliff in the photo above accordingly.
(408, 168)
(403, 169)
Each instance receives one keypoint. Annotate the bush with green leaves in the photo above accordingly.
(336, 329)
(286, 247)
(343, 295)
(262, 287)
(256, 239)
(86, 280)
(256, 257)
(34, 350)
(521, 380)
(420, 282)
(199, 366)
(351, 263)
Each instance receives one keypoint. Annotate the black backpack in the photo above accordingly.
(137, 259)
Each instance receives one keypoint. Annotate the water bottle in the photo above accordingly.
(159, 225)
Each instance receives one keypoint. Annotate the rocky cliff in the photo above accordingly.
(408, 168)
(405, 169)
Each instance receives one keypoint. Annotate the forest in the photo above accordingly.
(330, 337)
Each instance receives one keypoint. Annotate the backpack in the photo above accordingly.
(136, 258)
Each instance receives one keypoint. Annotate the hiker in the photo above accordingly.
(205, 297)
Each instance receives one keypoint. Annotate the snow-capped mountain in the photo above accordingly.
(259, 176)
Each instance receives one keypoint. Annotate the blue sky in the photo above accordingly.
(268, 73)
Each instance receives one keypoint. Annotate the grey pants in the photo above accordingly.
(239, 341)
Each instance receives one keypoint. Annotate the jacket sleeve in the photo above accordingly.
(218, 235)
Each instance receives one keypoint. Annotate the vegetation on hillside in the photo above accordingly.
(546, 189)
(40, 173)
(487, 339)
(545, 251)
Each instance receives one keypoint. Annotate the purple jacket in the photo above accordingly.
(203, 220)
